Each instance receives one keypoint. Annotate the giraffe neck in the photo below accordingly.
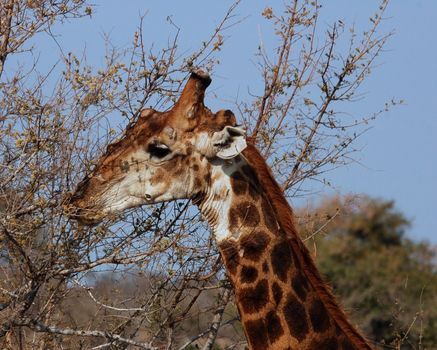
(277, 294)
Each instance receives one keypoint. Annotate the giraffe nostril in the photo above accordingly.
(148, 196)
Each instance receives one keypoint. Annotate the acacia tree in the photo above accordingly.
(152, 277)
(389, 280)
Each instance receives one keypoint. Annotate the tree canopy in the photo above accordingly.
(386, 280)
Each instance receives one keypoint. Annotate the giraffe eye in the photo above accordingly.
(158, 150)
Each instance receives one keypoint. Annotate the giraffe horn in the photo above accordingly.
(191, 99)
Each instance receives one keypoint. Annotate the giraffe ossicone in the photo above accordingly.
(191, 152)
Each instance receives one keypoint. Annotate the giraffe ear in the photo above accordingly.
(229, 142)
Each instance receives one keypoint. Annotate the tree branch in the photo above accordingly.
(217, 319)
(40, 327)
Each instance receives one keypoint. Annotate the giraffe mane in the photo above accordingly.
(285, 218)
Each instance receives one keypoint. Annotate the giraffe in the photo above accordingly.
(190, 152)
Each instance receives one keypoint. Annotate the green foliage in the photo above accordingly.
(386, 281)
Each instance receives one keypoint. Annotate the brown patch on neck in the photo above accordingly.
(284, 216)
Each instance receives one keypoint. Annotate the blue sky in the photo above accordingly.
(398, 158)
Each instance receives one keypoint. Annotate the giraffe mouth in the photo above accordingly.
(84, 216)
(89, 221)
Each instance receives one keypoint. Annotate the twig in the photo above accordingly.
(322, 227)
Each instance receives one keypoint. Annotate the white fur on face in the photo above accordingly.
(127, 192)
(204, 145)
(141, 184)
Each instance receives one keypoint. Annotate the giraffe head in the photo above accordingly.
(163, 156)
